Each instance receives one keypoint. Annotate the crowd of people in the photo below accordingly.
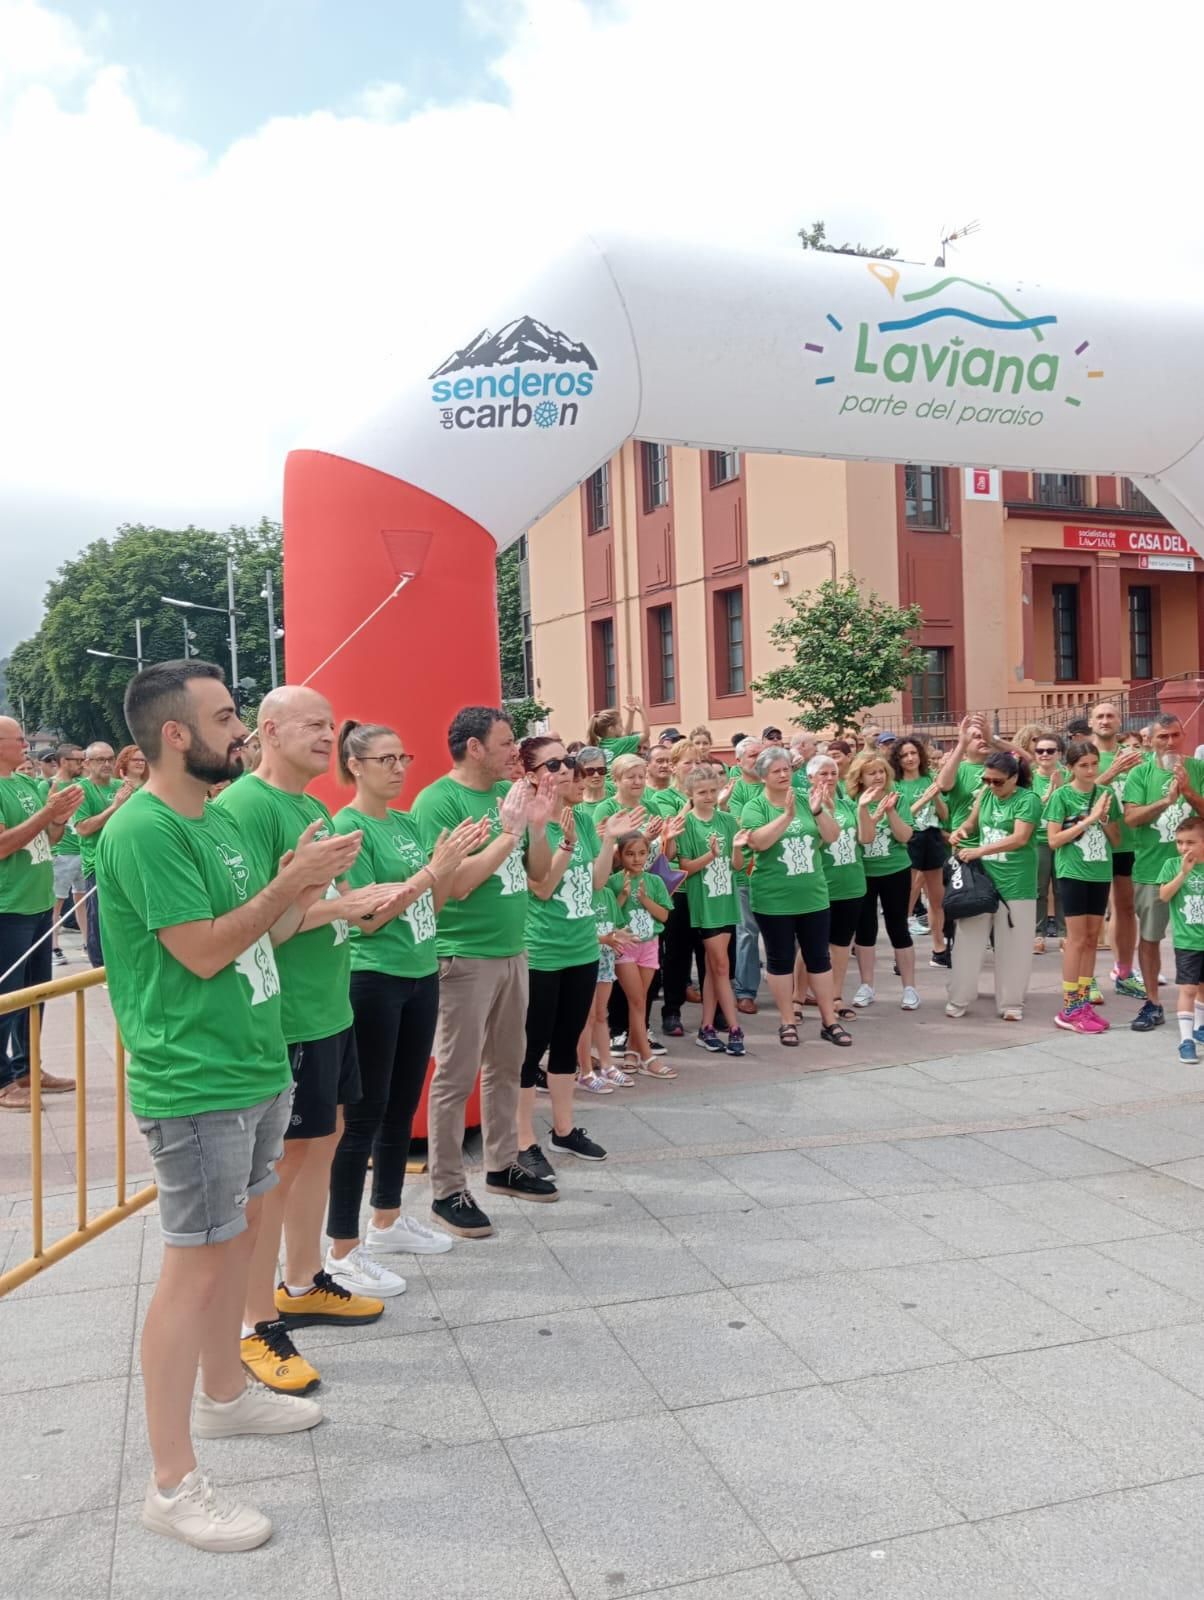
(283, 975)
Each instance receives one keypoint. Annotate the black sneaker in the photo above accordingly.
(575, 1143)
(520, 1184)
(672, 1025)
(618, 1043)
(940, 958)
(60, 960)
(1150, 1016)
(655, 1047)
(534, 1163)
(541, 1081)
(460, 1214)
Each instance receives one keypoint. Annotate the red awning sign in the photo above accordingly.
(1128, 541)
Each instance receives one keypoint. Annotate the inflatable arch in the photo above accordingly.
(793, 353)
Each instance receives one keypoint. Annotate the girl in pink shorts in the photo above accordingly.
(644, 906)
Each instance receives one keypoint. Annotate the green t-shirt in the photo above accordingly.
(711, 893)
(663, 802)
(1187, 907)
(844, 867)
(640, 924)
(98, 797)
(1155, 841)
(70, 842)
(623, 744)
(885, 854)
(315, 967)
(561, 931)
(1015, 871)
(491, 922)
(742, 792)
(926, 817)
(960, 799)
(1128, 836)
(392, 852)
(1089, 857)
(27, 876)
(195, 1044)
(788, 878)
(1042, 783)
(800, 781)
(606, 911)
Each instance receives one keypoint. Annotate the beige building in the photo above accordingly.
(661, 575)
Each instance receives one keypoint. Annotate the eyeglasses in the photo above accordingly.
(1047, 749)
(592, 772)
(391, 761)
(995, 783)
(554, 764)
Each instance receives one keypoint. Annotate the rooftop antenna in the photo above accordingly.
(947, 239)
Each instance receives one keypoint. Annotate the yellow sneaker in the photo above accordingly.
(270, 1355)
(326, 1302)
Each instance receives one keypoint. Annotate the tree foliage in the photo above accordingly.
(816, 238)
(96, 598)
(510, 624)
(850, 650)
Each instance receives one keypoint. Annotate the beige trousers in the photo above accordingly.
(1013, 955)
(482, 1028)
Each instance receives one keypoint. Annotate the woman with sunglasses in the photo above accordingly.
(1004, 819)
(562, 959)
(1049, 775)
(395, 1002)
(594, 775)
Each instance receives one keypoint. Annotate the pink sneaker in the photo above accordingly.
(1079, 1018)
(1102, 1022)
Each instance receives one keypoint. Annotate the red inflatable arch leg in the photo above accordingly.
(350, 533)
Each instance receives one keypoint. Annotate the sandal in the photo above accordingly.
(656, 1067)
(835, 1034)
(788, 1034)
(845, 1013)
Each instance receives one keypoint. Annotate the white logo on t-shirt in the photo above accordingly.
(640, 924)
(994, 836)
(38, 848)
(1093, 843)
(338, 927)
(843, 850)
(1170, 820)
(421, 918)
(512, 872)
(258, 966)
(1193, 908)
(798, 854)
(236, 867)
(717, 878)
(880, 844)
(576, 893)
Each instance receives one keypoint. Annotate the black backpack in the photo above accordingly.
(969, 890)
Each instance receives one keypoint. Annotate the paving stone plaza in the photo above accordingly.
(921, 1321)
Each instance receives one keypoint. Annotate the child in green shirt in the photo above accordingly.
(1181, 883)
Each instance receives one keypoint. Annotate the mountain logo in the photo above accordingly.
(524, 339)
(925, 345)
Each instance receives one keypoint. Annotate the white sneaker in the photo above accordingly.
(956, 1012)
(202, 1516)
(257, 1410)
(864, 996)
(910, 1000)
(407, 1236)
(361, 1275)
(916, 928)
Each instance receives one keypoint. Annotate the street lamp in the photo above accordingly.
(228, 611)
(274, 633)
(113, 655)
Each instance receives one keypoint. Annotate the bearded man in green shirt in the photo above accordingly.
(103, 796)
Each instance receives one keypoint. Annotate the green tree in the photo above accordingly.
(96, 598)
(816, 238)
(850, 650)
(510, 624)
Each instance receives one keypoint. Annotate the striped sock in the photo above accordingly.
(1186, 1021)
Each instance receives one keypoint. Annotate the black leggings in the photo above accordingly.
(681, 946)
(846, 914)
(558, 1006)
(394, 1022)
(894, 891)
(810, 929)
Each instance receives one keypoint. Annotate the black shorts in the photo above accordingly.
(1083, 899)
(928, 850)
(1189, 967)
(1122, 863)
(327, 1075)
(843, 918)
(716, 933)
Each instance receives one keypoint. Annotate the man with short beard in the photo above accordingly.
(196, 991)
(104, 795)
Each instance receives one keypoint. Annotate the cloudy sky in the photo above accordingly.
(216, 216)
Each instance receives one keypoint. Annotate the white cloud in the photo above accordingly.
(175, 315)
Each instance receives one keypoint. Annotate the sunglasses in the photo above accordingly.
(554, 764)
(1047, 749)
(994, 783)
(391, 761)
(592, 772)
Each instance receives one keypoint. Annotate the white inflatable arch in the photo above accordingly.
(791, 352)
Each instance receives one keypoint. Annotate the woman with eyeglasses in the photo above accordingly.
(1004, 819)
(394, 999)
(1045, 749)
(562, 959)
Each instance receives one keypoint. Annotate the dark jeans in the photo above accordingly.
(96, 953)
(17, 934)
(394, 1034)
(558, 1006)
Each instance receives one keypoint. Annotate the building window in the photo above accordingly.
(660, 655)
(1058, 489)
(606, 683)
(1066, 632)
(924, 497)
(930, 687)
(656, 475)
(1136, 502)
(1141, 631)
(598, 499)
(725, 466)
(729, 635)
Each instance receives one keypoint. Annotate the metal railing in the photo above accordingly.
(45, 1255)
(1053, 708)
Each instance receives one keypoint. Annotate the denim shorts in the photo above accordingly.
(68, 876)
(208, 1166)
